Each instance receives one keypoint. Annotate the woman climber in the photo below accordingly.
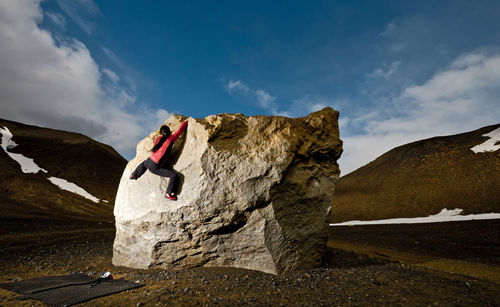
(162, 146)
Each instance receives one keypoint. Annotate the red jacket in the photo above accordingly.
(157, 155)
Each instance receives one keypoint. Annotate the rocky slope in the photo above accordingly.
(256, 193)
(91, 165)
(421, 178)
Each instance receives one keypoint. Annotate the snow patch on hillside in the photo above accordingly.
(27, 164)
(492, 144)
(444, 216)
(69, 186)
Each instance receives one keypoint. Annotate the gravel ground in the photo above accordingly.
(347, 279)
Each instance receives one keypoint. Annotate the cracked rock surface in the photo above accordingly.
(255, 193)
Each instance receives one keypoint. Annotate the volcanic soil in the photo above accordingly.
(441, 264)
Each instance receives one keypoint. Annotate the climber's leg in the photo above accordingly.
(165, 172)
(139, 171)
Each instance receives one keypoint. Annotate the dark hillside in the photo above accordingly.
(421, 178)
(94, 166)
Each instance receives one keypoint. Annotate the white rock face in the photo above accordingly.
(256, 194)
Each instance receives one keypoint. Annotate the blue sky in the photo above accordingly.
(397, 71)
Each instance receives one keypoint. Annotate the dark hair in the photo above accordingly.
(165, 133)
(165, 130)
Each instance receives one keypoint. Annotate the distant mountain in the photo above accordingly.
(70, 160)
(421, 178)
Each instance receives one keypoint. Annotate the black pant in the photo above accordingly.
(160, 171)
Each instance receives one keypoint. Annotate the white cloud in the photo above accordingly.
(468, 77)
(82, 12)
(386, 71)
(161, 116)
(463, 97)
(265, 100)
(468, 59)
(389, 29)
(60, 85)
(312, 103)
(56, 18)
(111, 75)
(112, 56)
(233, 87)
(343, 121)
(128, 75)
(316, 107)
(309, 104)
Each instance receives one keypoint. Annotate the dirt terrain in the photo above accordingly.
(366, 265)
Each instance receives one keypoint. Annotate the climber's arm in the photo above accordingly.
(179, 131)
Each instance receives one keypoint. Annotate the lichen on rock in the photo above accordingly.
(256, 193)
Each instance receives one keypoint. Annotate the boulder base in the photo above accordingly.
(256, 193)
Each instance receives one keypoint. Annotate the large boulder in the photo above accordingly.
(256, 193)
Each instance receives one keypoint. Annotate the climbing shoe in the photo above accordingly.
(171, 196)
